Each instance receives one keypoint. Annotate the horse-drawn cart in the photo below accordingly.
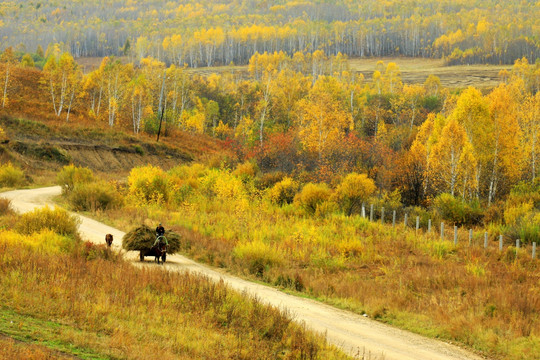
(158, 250)
(143, 240)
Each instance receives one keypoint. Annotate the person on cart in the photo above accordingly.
(160, 230)
(161, 240)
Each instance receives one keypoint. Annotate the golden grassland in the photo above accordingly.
(86, 302)
(483, 299)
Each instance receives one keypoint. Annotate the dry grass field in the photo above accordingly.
(413, 70)
(416, 71)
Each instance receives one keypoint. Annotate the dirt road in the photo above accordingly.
(353, 333)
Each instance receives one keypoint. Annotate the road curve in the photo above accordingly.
(353, 333)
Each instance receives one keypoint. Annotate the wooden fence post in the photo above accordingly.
(429, 226)
(394, 218)
(517, 244)
(417, 224)
(534, 251)
(500, 242)
(405, 220)
(363, 210)
(371, 212)
(455, 234)
(442, 230)
(382, 215)
(485, 240)
(470, 237)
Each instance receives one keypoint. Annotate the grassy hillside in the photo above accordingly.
(38, 141)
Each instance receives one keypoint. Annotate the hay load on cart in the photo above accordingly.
(143, 240)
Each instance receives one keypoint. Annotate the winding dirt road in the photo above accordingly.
(353, 333)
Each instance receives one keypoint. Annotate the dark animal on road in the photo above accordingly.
(109, 239)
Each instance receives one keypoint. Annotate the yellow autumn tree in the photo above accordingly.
(529, 119)
(504, 166)
(62, 78)
(445, 161)
(322, 120)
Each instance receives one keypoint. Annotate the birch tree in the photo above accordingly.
(7, 63)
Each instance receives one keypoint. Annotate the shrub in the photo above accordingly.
(523, 222)
(72, 175)
(284, 191)
(269, 179)
(423, 216)
(148, 183)
(94, 196)
(326, 208)
(185, 172)
(353, 190)
(5, 206)
(522, 212)
(457, 211)
(222, 184)
(57, 220)
(11, 176)
(312, 196)
(246, 171)
(258, 256)
(45, 240)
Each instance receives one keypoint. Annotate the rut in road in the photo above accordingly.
(354, 334)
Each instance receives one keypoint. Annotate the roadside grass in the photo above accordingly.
(40, 337)
(95, 308)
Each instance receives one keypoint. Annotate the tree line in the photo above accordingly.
(208, 33)
(309, 115)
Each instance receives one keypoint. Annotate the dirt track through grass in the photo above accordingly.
(353, 333)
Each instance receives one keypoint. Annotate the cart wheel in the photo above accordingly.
(141, 256)
(164, 257)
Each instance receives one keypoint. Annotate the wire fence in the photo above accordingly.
(445, 232)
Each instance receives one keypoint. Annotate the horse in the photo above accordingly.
(109, 239)
(160, 252)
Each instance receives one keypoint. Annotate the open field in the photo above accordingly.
(416, 71)
(413, 70)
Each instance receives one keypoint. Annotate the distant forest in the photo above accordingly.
(208, 33)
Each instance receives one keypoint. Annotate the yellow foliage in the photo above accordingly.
(312, 196)
(11, 176)
(229, 187)
(195, 122)
(513, 215)
(258, 255)
(353, 190)
(246, 170)
(72, 175)
(57, 220)
(45, 240)
(223, 131)
(148, 183)
(283, 191)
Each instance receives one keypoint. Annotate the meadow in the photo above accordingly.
(73, 298)
(413, 70)
(482, 299)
